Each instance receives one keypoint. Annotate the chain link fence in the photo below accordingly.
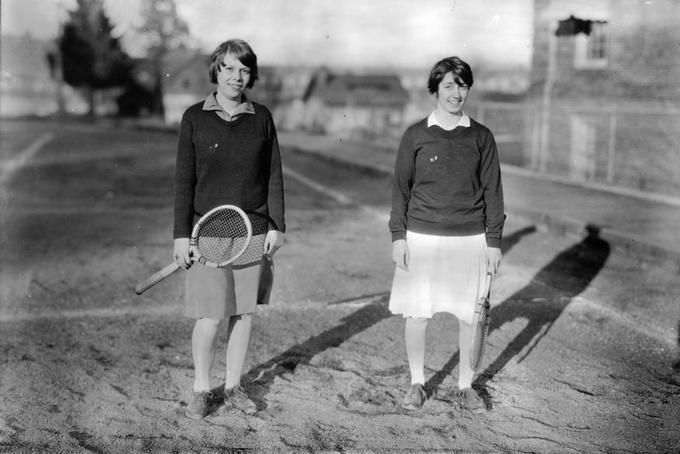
(629, 147)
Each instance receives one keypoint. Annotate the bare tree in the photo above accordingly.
(162, 31)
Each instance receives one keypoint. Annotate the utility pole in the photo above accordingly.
(544, 152)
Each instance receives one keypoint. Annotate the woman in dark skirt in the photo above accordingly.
(228, 153)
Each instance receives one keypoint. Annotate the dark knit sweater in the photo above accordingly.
(447, 183)
(221, 162)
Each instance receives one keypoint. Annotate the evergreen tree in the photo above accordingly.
(91, 57)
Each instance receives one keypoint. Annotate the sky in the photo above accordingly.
(368, 33)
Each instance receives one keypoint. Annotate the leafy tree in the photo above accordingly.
(91, 57)
(162, 32)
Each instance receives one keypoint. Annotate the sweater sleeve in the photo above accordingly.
(490, 176)
(275, 194)
(401, 187)
(185, 180)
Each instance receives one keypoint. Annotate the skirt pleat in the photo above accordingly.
(445, 274)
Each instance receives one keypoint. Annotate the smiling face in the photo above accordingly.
(232, 78)
(451, 95)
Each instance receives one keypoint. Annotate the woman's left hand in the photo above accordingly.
(493, 259)
(273, 241)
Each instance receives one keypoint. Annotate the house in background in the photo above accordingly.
(367, 106)
(185, 82)
(606, 104)
(312, 99)
(281, 89)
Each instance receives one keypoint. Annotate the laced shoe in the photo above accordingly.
(237, 398)
(414, 398)
(468, 399)
(200, 404)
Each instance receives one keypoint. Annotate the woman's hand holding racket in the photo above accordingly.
(219, 237)
(493, 259)
(182, 254)
(273, 241)
(400, 254)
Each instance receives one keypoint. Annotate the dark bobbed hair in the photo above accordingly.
(240, 50)
(460, 69)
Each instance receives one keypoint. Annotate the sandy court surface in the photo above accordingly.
(573, 362)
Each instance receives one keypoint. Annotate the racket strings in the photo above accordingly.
(255, 250)
(253, 253)
(222, 236)
(259, 223)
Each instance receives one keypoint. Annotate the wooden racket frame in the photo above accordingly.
(480, 325)
(193, 248)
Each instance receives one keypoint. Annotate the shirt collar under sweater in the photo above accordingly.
(464, 121)
(210, 103)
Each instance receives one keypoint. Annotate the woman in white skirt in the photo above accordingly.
(446, 223)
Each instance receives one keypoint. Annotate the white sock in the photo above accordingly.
(203, 349)
(238, 338)
(415, 332)
(466, 374)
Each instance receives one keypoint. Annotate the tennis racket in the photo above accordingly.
(253, 254)
(480, 326)
(264, 285)
(219, 237)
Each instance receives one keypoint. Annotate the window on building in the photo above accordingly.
(591, 50)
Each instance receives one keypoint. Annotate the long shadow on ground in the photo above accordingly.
(262, 376)
(570, 273)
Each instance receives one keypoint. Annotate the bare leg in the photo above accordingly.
(415, 333)
(203, 348)
(238, 337)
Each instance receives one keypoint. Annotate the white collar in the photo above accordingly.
(464, 121)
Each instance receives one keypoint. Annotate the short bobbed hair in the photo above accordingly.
(240, 50)
(462, 74)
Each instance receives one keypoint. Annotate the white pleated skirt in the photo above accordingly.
(445, 274)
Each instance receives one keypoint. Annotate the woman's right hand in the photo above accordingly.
(400, 254)
(182, 254)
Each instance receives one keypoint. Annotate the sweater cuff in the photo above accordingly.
(399, 235)
(493, 242)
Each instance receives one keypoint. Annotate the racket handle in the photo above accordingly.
(156, 278)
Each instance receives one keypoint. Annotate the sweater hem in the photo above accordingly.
(467, 229)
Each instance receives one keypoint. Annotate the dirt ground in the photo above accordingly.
(579, 358)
